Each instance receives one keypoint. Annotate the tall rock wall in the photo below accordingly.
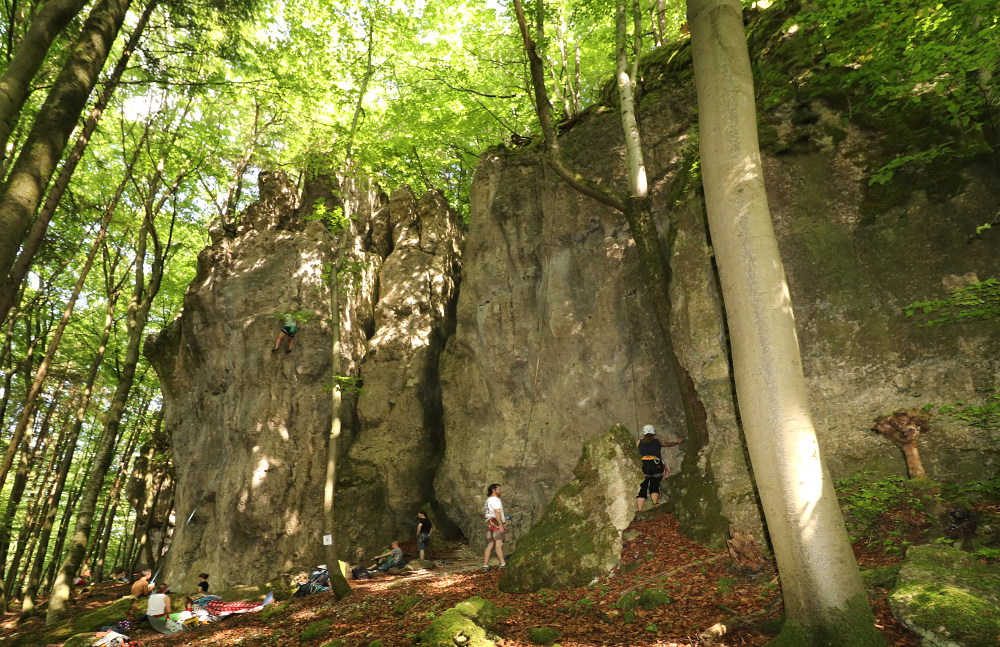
(249, 426)
(556, 341)
(552, 339)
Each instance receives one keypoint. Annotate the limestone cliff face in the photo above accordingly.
(249, 426)
(552, 339)
(555, 340)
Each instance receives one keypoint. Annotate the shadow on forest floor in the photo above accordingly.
(699, 588)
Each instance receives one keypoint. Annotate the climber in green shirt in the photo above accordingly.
(287, 332)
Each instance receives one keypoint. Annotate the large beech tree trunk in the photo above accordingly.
(825, 601)
(31, 244)
(56, 121)
(51, 19)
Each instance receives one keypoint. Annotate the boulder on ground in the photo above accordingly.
(466, 624)
(579, 536)
(948, 598)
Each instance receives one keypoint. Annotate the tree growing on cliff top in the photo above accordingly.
(825, 601)
(635, 204)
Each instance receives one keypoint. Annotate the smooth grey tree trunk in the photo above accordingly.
(825, 602)
(55, 494)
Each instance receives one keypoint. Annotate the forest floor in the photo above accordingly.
(394, 609)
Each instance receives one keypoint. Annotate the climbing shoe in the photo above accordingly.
(274, 350)
(288, 351)
(486, 569)
(502, 567)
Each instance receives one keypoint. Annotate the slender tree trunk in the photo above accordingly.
(114, 497)
(43, 148)
(338, 583)
(660, 11)
(28, 464)
(7, 362)
(93, 546)
(152, 484)
(823, 595)
(31, 53)
(626, 94)
(13, 502)
(165, 536)
(43, 368)
(76, 487)
(138, 311)
(9, 288)
(55, 492)
(635, 208)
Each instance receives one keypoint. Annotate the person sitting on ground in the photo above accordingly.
(393, 558)
(317, 582)
(202, 591)
(424, 529)
(288, 331)
(141, 587)
(158, 611)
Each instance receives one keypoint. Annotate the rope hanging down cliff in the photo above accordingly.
(627, 307)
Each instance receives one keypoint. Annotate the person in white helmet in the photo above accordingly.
(653, 469)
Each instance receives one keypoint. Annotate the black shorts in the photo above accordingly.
(289, 330)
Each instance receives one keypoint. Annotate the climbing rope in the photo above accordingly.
(541, 335)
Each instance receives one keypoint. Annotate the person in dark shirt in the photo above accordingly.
(203, 584)
(653, 469)
(424, 529)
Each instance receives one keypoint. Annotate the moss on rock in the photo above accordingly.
(109, 614)
(946, 596)
(80, 640)
(406, 603)
(653, 598)
(579, 536)
(543, 635)
(466, 623)
(315, 630)
(273, 610)
(882, 577)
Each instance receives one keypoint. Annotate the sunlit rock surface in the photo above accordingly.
(249, 426)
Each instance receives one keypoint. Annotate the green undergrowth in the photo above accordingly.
(889, 514)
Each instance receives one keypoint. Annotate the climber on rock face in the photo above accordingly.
(288, 331)
(653, 468)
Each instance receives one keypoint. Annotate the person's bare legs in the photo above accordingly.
(639, 502)
(486, 555)
(655, 496)
(277, 344)
(499, 549)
